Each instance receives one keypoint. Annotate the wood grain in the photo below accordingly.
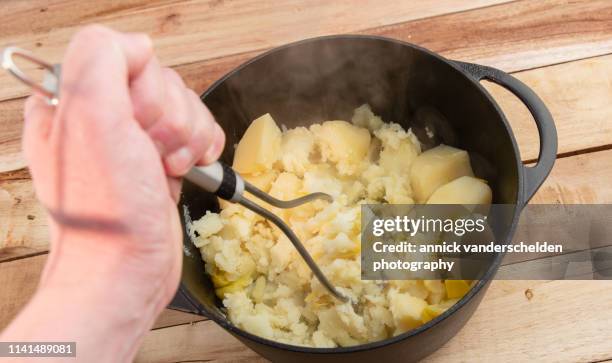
(45, 16)
(535, 326)
(576, 89)
(23, 221)
(11, 124)
(18, 281)
(204, 340)
(578, 96)
(516, 36)
(517, 321)
(192, 31)
(580, 179)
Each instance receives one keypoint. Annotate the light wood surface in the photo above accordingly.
(562, 49)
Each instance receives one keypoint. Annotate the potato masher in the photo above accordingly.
(216, 178)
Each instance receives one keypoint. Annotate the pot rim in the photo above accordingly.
(480, 284)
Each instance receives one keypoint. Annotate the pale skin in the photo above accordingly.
(106, 163)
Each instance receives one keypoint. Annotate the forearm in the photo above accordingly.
(87, 296)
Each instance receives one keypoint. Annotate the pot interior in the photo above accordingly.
(327, 78)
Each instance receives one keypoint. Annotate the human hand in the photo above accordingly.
(106, 164)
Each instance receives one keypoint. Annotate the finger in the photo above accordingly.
(180, 161)
(214, 138)
(147, 91)
(174, 184)
(173, 129)
(215, 148)
(38, 117)
(137, 49)
(96, 71)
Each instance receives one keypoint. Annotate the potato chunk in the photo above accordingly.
(455, 289)
(263, 180)
(407, 310)
(296, 146)
(259, 147)
(343, 144)
(436, 167)
(399, 159)
(463, 190)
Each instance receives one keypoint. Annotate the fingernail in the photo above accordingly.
(180, 161)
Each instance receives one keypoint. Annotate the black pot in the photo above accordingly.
(326, 78)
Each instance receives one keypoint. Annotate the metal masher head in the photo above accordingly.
(222, 180)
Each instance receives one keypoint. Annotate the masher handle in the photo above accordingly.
(218, 178)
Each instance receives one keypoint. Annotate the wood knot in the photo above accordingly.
(529, 294)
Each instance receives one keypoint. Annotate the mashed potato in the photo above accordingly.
(267, 288)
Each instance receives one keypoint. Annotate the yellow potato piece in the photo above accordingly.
(436, 167)
(407, 311)
(219, 279)
(259, 147)
(430, 312)
(235, 286)
(456, 289)
(436, 289)
(463, 190)
(344, 144)
(258, 290)
(262, 181)
(399, 159)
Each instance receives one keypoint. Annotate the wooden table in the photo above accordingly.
(562, 49)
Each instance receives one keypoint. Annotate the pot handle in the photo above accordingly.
(182, 302)
(535, 175)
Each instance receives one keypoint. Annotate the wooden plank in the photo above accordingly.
(23, 222)
(11, 124)
(199, 341)
(573, 91)
(518, 321)
(535, 326)
(516, 36)
(191, 31)
(34, 16)
(507, 36)
(578, 96)
(18, 281)
(580, 179)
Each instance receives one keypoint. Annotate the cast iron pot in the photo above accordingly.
(325, 79)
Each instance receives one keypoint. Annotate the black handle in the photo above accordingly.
(182, 302)
(533, 176)
(218, 178)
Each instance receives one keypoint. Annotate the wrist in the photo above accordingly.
(98, 291)
(104, 267)
(92, 294)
